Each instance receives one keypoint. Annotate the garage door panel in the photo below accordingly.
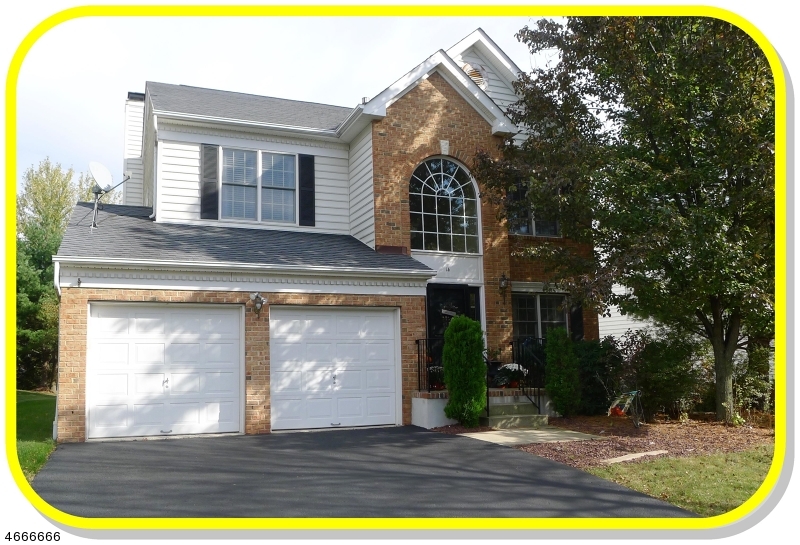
(286, 381)
(222, 354)
(149, 323)
(380, 406)
(110, 354)
(349, 407)
(110, 321)
(184, 383)
(111, 416)
(289, 410)
(162, 371)
(320, 407)
(380, 352)
(312, 345)
(319, 352)
(148, 413)
(348, 352)
(379, 327)
(149, 353)
(184, 353)
(149, 383)
(219, 382)
(111, 384)
(318, 380)
(379, 379)
(349, 379)
(286, 354)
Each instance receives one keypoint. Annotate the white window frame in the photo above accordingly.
(479, 218)
(259, 152)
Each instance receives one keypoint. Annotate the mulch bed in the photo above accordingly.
(620, 437)
(688, 438)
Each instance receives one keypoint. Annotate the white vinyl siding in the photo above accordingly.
(132, 152)
(149, 157)
(497, 88)
(332, 198)
(362, 205)
(616, 324)
(180, 180)
(179, 188)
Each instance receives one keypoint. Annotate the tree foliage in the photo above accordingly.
(464, 371)
(652, 140)
(562, 374)
(44, 204)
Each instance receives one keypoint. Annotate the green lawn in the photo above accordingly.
(706, 485)
(35, 414)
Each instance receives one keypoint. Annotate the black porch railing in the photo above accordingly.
(429, 364)
(529, 358)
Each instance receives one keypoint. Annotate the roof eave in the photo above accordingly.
(359, 272)
(474, 95)
(243, 123)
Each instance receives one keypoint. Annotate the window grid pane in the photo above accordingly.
(443, 208)
(239, 192)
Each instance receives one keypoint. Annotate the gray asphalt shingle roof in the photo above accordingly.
(127, 233)
(185, 99)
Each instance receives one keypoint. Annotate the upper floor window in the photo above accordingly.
(241, 188)
(444, 208)
(521, 220)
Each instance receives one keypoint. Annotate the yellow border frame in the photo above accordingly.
(395, 523)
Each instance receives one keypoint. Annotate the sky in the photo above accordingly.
(73, 85)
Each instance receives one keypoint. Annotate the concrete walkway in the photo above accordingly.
(545, 434)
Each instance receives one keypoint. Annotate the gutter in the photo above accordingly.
(328, 133)
(57, 276)
(245, 267)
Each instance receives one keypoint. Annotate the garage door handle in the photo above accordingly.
(334, 379)
(337, 424)
(165, 384)
(166, 431)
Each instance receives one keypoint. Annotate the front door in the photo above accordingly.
(447, 300)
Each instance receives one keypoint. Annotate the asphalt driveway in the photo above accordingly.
(388, 472)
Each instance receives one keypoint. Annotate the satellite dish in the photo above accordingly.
(100, 174)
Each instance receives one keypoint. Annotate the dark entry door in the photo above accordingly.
(455, 299)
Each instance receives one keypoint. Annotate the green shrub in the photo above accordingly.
(562, 378)
(464, 371)
(599, 367)
(666, 368)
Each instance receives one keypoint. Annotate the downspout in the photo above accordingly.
(155, 166)
(57, 282)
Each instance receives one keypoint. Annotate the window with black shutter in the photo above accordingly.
(209, 188)
(306, 190)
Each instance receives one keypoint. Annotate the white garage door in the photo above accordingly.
(332, 367)
(163, 370)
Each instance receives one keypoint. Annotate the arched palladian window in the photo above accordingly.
(444, 208)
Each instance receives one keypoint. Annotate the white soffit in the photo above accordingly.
(501, 62)
(454, 75)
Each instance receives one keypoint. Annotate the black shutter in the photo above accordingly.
(306, 187)
(209, 188)
(576, 322)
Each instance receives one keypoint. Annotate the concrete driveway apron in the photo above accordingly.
(386, 472)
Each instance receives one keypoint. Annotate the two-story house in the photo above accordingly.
(275, 262)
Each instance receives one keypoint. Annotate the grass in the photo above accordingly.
(706, 485)
(35, 415)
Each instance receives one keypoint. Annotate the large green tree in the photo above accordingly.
(652, 140)
(44, 203)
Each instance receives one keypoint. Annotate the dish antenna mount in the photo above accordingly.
(102, 185)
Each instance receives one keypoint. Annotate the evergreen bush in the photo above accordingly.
(599, 367)
(464, 371)
(562, 377)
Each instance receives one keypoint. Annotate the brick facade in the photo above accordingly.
(71, 420)
(410, 133)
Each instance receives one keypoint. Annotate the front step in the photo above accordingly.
(503, 409)
(510, 421)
